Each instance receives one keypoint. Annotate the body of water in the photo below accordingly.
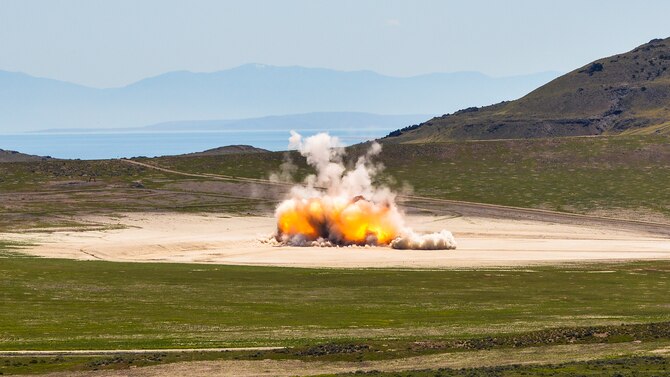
(90, 146)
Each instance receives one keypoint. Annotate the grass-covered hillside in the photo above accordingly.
(619, 176)
(613, 176)
(626, 93)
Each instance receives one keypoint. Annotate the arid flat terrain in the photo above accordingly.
(482, 241)
(533, 355)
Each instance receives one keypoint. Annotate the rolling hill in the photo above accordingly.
(29, 104)
(14, 156)
(628, 93)
(228, 149)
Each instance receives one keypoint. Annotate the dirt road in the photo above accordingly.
(531, 355)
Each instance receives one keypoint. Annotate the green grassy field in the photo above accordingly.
(63, 304)
(323, 314)
(49, 194)
(572, 174)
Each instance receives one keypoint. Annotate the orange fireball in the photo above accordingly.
(348, 222)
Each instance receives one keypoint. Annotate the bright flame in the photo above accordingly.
(342, 207)
(348, 222)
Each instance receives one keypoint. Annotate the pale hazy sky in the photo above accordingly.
(115, 42)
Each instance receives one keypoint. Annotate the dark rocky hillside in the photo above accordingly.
(229, 149)
(14, 156)
(628, 93)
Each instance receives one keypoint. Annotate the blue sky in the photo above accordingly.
(112, 43)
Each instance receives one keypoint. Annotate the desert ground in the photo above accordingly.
(240, 240)
(245, 368)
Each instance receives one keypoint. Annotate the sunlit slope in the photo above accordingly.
(626, 93)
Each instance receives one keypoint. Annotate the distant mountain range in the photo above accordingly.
(305, 122)
(628, 93)
(29, 103)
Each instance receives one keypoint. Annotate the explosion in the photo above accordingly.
(341, 207)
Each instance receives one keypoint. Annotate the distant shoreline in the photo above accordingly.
(147, 143)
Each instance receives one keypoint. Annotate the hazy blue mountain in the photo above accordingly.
(306, 122)
(28, 103)
(310, 121)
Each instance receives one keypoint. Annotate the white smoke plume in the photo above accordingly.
(342, 207)
(443, 240)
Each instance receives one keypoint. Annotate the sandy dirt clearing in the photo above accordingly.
(482, 242)
(531, 355)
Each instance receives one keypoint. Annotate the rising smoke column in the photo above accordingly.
(340, 206)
